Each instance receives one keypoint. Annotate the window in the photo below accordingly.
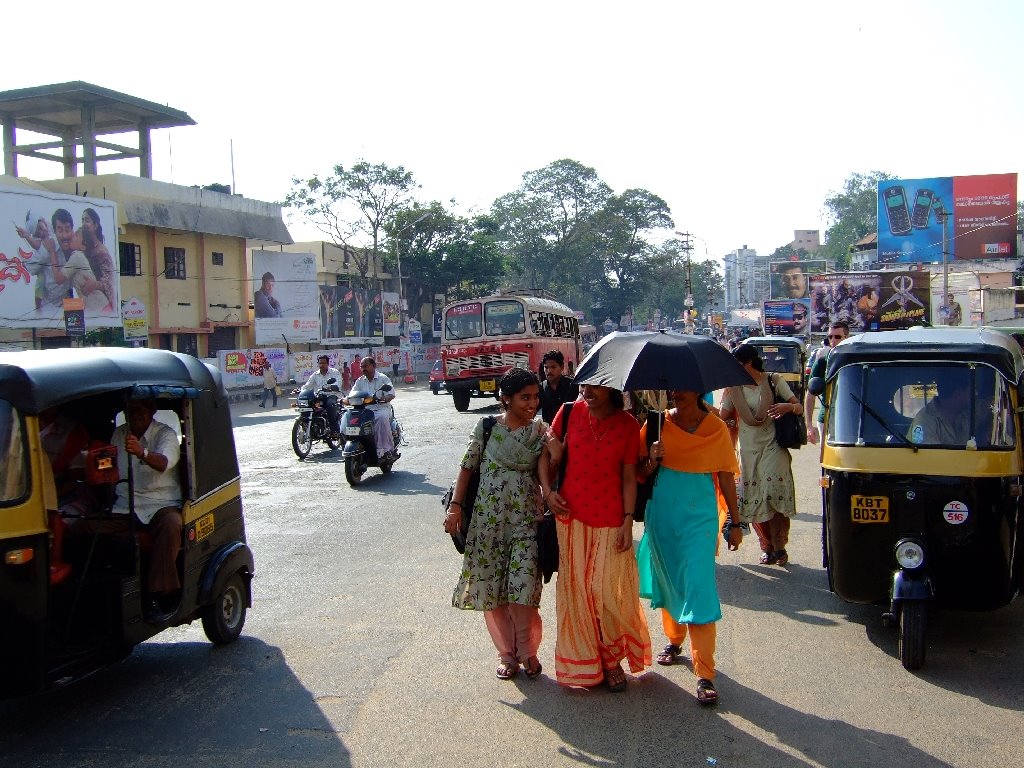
(131, 259)
(174, 263)
(13, 456)
(463, 321)
(218, 259)
(504, 317)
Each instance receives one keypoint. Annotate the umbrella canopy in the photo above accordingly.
(660, 360)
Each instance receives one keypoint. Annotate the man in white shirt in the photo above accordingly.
(154, 450)
(318, 380)
(371, 381)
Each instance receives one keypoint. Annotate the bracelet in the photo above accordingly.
(628, 514)
(456, 503)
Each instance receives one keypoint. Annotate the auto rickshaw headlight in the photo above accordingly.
(909, 554)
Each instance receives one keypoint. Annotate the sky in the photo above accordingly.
(742, 116)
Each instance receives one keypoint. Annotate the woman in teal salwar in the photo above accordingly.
(694, 494)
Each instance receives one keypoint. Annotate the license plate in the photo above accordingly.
(352, 431)
(869, 509)
(487, 385)
(204, 526)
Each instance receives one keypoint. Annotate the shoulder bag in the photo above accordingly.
(547, 533)
(790, 429)
(469, 500)
(645, 489)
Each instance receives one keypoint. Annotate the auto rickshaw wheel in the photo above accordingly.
(353, 471)
(224, 619)
(913, 622)
(302, 438)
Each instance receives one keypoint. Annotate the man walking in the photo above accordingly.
(556, 389)
(837, 331)
(269, 385)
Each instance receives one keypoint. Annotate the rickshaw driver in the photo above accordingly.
(945, 419)
(155, 452)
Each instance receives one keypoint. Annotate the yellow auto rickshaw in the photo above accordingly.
(921, 474)
(71, 596)
(785, 356)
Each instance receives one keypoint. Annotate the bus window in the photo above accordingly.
(504, 317)
(463, 322)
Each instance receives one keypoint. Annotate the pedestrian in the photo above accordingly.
(694, 497)
(269, 385)
(600, 620)
(767, 497)
(837, 331)
(355, 368)
(396, 359)
(557, 388)
(500, 570)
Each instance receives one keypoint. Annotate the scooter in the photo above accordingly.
(311, 424)
(360, 451)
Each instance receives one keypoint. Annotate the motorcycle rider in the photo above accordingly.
(317, 381)
(371, 381)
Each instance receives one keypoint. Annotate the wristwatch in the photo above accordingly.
(145, 453)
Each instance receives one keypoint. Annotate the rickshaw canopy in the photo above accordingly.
(34, 380)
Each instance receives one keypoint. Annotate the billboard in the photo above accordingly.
(352, 315)
(791, 279)
(981, 213)
(392, 314)
(787, 318)
(285, 301)
(54, 247)
(870, 301)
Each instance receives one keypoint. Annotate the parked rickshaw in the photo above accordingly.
(921, 474)
(785, 356)
(70, 596)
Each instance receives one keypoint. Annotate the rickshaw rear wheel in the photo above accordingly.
(913, 622)
(224, 619)
(302, 438)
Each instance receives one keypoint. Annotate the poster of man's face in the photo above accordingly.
(791, 279)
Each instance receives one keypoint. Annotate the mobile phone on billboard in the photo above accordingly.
(897, 211)
(922, 208)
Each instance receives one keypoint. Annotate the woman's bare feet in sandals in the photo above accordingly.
(616, 679)
(706, 693)
(532, 667)
(669, 654)
(506, 670)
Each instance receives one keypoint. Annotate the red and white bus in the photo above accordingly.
(485, 337)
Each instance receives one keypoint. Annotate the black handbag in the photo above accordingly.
(646, 489)
(547, 545)
(790, 429)
(468, 501)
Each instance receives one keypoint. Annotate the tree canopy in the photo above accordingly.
(853, 214)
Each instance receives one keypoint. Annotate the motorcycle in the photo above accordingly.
(311, 425)
(360, 451)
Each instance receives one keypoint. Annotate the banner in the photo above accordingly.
(74, 316)
(392, 314)
(870, 301)
(54, 247)
(135, 319)
(285, 301)
(791, 279)
(787, 318)
(244, 367)
(981, 214)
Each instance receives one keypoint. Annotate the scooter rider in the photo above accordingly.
(317, 381)
(371, 381)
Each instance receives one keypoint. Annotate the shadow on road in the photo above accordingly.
(176, 703)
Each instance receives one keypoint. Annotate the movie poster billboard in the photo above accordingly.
(54, 247)
(791, 279)
(351, 315)
(870, 301)
(392, 314)
(285, 297)
(787, 317)
(981, 213)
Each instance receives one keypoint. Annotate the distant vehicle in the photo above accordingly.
(437, 377)
(588, 335)
(485, 337)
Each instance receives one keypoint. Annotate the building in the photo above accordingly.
(747, 278)
(807, 239)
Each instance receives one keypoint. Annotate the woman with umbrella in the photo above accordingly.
(767, 496)
(694, 493)
(600, 620)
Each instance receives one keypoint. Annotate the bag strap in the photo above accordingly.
(489, 422)
(652, 419)
(566, 413)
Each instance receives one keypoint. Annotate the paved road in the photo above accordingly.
(352, 657)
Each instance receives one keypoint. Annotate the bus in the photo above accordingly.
(485, 337)
(588, 335)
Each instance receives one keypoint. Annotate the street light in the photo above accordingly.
(398, 257)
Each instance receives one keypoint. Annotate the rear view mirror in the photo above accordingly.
(816, 385)
(386, 388)
(332, 380)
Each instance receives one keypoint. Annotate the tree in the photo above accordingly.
(352, 206)
(853, 214)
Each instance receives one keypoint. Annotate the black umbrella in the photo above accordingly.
(660, 360)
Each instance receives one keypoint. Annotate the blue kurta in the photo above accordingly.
(676, 556)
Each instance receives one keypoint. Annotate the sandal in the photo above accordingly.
(669, 654)
(706, 694)
(769, 558)
(781, 557)
(616, 679)
(533, 667)
(506, 670)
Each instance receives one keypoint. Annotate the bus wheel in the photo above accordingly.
(461, 398)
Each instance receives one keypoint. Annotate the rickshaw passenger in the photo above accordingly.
(155, 452)
(945, 420)
(63, 440)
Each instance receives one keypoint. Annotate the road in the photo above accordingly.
(352, 656)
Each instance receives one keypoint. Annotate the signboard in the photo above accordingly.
(787, 318)
(981, 214)
(791, 279)
(133, 315)
(74, 316)
(351, 315)
(392, 314)
(870, 301)
(415, 332)
(54, 247)
(285, 300)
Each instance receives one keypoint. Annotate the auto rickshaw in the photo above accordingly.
(70, 596)
(921, 474)
(785, 356)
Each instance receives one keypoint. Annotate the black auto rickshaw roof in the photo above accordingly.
(980, 345)
(34, 380)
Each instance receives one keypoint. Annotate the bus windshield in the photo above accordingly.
(464, 321)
